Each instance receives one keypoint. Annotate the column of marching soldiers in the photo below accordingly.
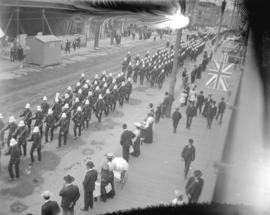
(99, 96)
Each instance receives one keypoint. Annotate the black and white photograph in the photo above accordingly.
(115, 105)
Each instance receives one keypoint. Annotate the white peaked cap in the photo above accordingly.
(128, 52)
(87, 81)
(115, 87)
(107, 91)
(69, 88)
(85, 86)
(64, 115)
(21, 123)
(38, 108)
(82, 75)
(78, 84)
(122, 73)
(123, 83)
(96, 76)
(104, 79)
(100, 96)
(66, 96)
(80, 91)
(36, 129)
(1, 116)
(76, 99)
(119, 75)
(79, 108)
(105, 85)
(56, 100)
(13, 142)
(27, 106)
(90, 93)
(95, 83)
(50, 111)
(97, 88)
(45, 98)
(110, 74)
(87, 102)
(66, 106)
(129, 79)
(104, 72)
(113, 80)
(57, 94)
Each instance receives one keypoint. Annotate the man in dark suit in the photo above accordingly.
(194, 187)
(188, 154)
(221, 110)
(70, 194)
(126, 141)
(190, 112)
(211, 114)
(200, 101)
(49, 207)
(89, 186)
(176, 118)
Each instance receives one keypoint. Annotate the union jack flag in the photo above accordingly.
(220, 75)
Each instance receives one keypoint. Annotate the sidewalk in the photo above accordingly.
(152, 177)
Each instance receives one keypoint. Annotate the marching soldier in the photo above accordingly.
(142, 74)
(122, 93)
(80, 96)
(49, 129)
(211, 114)
(15, 154)
(36, 145)
(75, 105)
(161, 78)
(109, 79)
(136, 71)
(128, 89)
(114, 97)
(78, 86)
(96, 79)
(104, 76)
(12, 126)
(129, 70)
(82, 79)
(87, 112)
(39, 120)
(124, 65)
(27, 114)
(78, 121)
(69, 92)
(85, 91)
(21, 134)
(99, 107)
(45, 106)
(67, 110)
(57, 109)
(200, 101)
(107, 102)
(63, 131)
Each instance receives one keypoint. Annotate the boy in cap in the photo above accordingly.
(15, 153)
(49, 207)
(70, 194)
(194, 187)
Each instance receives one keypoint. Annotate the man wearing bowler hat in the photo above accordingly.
(89, 186)
(49, 207)
(188, 154)
(70, 194)
(194, 187)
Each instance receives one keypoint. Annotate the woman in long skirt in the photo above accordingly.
(137, 141)
(148, 129)
(104, 182)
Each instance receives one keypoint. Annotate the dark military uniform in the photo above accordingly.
(36, 145)
(39, 121)
(50, 120)
(45, 107)
(27, 114)
(12, 128)
(78, 122)
(87, 112)
(63, 131)
(21, 134)
(15, 154)
(99, 108)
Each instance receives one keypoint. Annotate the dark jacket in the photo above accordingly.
(188, 153)
(78, 118)
(50, 120)
(176, 116)
(50, 208)
(45, 107)
(221, 107)
(38, 117)
(27, 114)
(36, 138)
(126, 138)
(191, 111)
(15, 153)
(194, 189)
(89, 180)
(70, 194)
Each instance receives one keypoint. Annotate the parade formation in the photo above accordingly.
(72, 112)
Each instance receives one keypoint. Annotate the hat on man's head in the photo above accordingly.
(68, 178)
(190, 140)
(46, 194)
(90, 164)
(197, 173)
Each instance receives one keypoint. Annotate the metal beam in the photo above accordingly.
(9, 21)
(45, 18)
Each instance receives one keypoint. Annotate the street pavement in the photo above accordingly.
(152, 177)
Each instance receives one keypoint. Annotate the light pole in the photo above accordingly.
(223, 6)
